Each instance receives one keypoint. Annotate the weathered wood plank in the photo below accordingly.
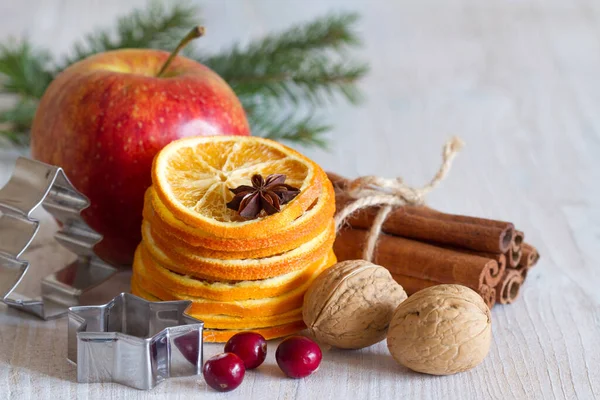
(518, 81)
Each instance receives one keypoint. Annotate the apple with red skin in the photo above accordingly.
(104, 118)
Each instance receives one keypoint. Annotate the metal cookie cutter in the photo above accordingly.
(134, 342)
(34, 184)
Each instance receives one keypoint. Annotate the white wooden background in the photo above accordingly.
(518, 80)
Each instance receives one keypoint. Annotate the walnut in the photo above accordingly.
(350, 305)
(441, 330)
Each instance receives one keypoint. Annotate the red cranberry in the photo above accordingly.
(224, 372)
(249, 346)
(298, 356)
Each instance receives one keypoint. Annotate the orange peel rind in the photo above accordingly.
(242, 270)
(223, 335)
(145, 265)
(242, 308)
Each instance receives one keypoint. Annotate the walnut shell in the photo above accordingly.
(350, 305)
(441, 330)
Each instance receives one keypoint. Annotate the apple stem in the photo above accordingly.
(193, 34)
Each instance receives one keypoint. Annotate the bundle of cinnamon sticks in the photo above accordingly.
(423, 247)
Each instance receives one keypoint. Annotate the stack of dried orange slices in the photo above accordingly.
(238, 225)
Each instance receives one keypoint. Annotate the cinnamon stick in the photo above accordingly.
(419, 260)
(508, 290)
(513, 257)
(514, 253)
(338, 181)
(518, 240)
(530, 256)
(412, 285)
(430, 212)
(488, 256)
(495, 276)
(425, 224)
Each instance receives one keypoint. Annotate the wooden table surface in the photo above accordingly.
(519, 81)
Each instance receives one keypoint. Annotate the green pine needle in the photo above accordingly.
(296, 65)
(24, 70)
(21, 114)
(306, 131)
(14, 138)
(155, 27)
(316, 82)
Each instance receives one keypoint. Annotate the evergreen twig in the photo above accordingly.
(20, 116)
(296, 64)
(316, 82)
(155, 27)
(25, 70)
(304, 130)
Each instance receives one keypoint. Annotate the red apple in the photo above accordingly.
(104, 118)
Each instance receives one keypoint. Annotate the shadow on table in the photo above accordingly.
(369, 359)
(271, 370)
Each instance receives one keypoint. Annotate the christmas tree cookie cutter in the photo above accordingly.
(134, 342)
(33, 185)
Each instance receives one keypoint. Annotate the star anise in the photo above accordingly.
(264, 194)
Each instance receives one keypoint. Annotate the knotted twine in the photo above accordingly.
(369, 191)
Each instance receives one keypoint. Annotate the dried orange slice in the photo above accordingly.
(243, 270)
(274, 332)
(165, 241)
(241, 308)
(228, 322)
(145, 265)
(314, 219)
(223, 335)
(192, 177)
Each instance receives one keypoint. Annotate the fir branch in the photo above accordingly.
(16, 122)
(315, 81)
(297, 64)
(24, 70)
(13, 137)
(306, 131)
(330, 32)
(20, 116)
(154, 27)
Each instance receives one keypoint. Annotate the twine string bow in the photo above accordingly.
(368, 191)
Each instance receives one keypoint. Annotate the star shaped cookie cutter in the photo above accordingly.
(134, 342)
(32, 185)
